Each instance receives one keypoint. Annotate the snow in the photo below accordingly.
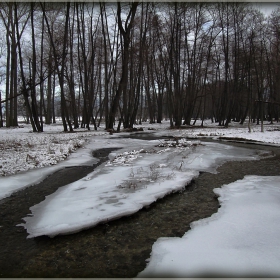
(240, 240)
(22, 150)
(128, 182)
(40, 154)
(271, 134)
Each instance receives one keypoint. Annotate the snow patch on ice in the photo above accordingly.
(240, 240)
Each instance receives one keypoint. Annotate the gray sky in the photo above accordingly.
(268, 7)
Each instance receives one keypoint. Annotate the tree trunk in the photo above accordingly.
(24, 89)
(61, 72)
(122, 87)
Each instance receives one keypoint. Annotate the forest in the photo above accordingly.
(125, 63)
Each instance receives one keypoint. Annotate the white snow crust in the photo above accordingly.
(133, 178)
(271, 134)
(10, 184)
(27, 158)
(35, 150)
(240, 240)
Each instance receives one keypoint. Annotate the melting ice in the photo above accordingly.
(134, 177)
(240, 240)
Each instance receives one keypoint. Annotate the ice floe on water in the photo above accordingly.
(134, 177)
(240, 240)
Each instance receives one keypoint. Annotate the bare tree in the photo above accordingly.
(125, 32)
(60, 61)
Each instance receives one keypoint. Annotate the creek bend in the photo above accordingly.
(118, 248)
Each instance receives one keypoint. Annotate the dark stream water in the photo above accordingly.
(118, 248)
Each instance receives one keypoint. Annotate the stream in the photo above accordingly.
(118, 248)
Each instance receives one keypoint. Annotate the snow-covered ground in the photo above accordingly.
(271, 134)
(22, 150)
(140, 172)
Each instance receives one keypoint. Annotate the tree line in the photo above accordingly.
(124, 63)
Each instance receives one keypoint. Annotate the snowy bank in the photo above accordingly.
(39, 155)
(270, 136)
(22, 150)
(240, 240)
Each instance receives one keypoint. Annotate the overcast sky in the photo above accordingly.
(268, 7)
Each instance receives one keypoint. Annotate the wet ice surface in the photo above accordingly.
(240, 240)
(135, 176)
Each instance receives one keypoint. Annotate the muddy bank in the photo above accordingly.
(118, 248)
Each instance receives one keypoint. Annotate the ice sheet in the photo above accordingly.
(134, 177)
(241, 240)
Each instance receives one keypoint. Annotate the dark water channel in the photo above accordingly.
(118, 248)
